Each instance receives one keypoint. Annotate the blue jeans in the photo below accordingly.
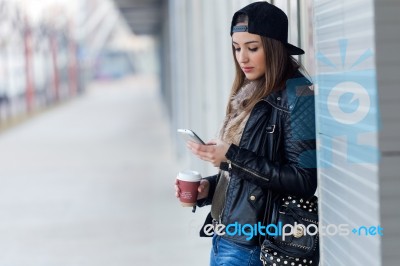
(227, 253)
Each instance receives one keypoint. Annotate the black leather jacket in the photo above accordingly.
(276, 156)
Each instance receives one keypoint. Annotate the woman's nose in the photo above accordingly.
(243, 57)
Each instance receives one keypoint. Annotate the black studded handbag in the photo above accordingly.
(300, 246)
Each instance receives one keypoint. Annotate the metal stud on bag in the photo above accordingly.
(281, 261)
(299, 231)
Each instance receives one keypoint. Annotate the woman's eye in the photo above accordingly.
(237, 49)
(253, 49)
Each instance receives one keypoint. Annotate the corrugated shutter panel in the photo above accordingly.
(347, 122)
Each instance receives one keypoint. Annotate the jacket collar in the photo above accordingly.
(286, 98)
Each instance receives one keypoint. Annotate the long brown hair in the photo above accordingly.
(280, 66)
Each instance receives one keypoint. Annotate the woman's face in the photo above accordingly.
(250, 54)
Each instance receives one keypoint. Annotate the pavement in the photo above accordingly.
(90, 182)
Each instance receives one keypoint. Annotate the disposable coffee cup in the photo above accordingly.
(188, 183)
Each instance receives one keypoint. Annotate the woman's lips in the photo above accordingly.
(247, 69)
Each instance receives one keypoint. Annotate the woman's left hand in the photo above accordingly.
(214, 152)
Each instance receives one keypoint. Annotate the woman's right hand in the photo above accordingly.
(202, 189)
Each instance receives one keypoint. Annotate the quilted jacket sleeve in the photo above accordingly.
(297, 175)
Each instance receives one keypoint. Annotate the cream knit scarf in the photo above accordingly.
(234, 123)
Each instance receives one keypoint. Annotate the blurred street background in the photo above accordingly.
(91, 183)
(91, 95)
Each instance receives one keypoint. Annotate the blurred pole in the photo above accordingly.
(29, 93)
(56, 78)
(72, 62)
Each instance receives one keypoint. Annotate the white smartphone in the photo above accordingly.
(188, 134)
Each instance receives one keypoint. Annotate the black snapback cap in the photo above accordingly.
(266, 20)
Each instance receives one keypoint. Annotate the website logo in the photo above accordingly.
(287, 230)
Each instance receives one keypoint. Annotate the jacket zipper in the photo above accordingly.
(244, 169)
(253, 173)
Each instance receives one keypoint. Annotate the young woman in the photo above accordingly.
(266, 145)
